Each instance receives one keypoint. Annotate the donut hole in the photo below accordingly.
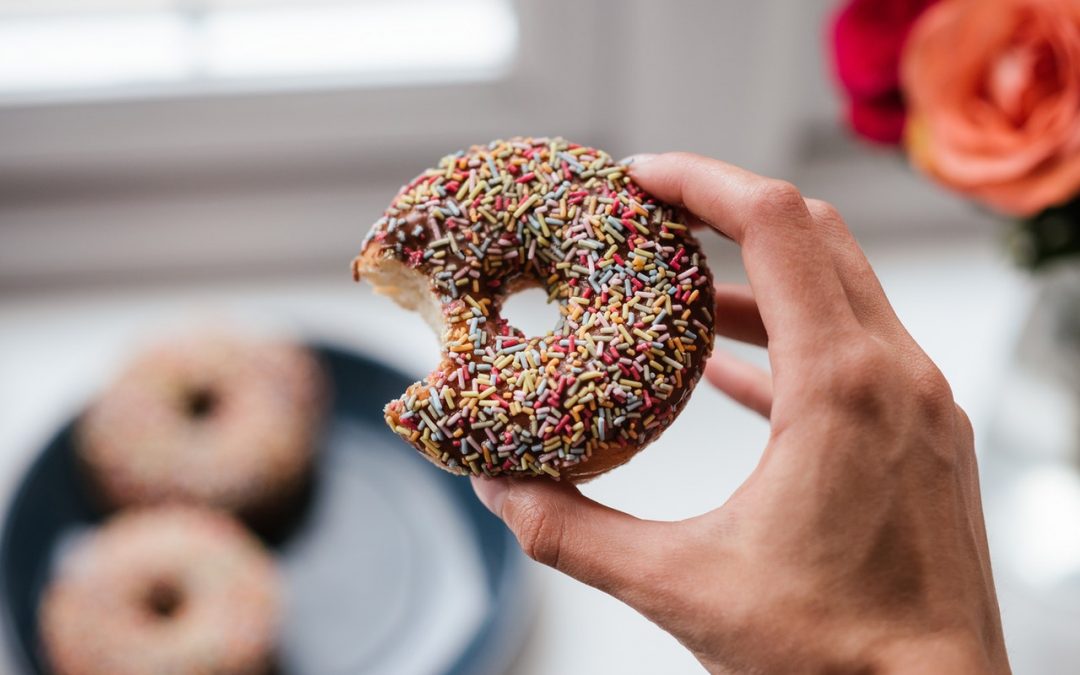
(163, 599)
(201, 402)
(529, 311)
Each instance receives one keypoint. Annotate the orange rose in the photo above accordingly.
(994, 93)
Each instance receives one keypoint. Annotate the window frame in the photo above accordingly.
(147, 130)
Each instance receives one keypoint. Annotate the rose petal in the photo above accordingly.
(1056, 183)
(994, 95)
(879, 120)
(867, 38)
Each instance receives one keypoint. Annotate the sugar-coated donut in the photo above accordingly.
(207, 418)
(634, 294)
(170, 589)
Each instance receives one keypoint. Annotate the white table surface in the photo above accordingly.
(960, 299)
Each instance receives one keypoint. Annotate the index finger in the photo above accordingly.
(790, 270)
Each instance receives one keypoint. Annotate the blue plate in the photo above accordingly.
(391, 567)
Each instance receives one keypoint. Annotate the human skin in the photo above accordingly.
(857, 544)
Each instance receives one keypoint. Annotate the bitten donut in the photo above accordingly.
(634, 295)
(209, 418)
(171, 589)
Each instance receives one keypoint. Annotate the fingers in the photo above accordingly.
(610, 550)
(857, 277)
(743, 382)
(737, 316)
(799, 294)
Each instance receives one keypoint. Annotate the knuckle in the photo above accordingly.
(868, 359)
(964, 426)
(841, 242)
(932, 393)
(860, 382)
(824, 211)
(779, 198)
(537, 529)
(834, 230)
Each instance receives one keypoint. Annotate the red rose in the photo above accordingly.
(879, 119)
(868, 37)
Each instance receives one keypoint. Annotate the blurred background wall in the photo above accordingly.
(158, 138)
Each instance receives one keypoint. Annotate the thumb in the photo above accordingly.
(629, 558)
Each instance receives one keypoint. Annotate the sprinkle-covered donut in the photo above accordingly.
(634, 295)
(170, 589)
(209, 418)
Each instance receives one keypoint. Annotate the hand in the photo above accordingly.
(857, 544)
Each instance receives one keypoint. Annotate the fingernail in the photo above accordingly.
(491, 492)
(637, 159)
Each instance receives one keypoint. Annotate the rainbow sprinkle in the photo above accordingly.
(635, 301)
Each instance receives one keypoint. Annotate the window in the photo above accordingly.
(212, 134)
(103, 47)
(236, 133)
